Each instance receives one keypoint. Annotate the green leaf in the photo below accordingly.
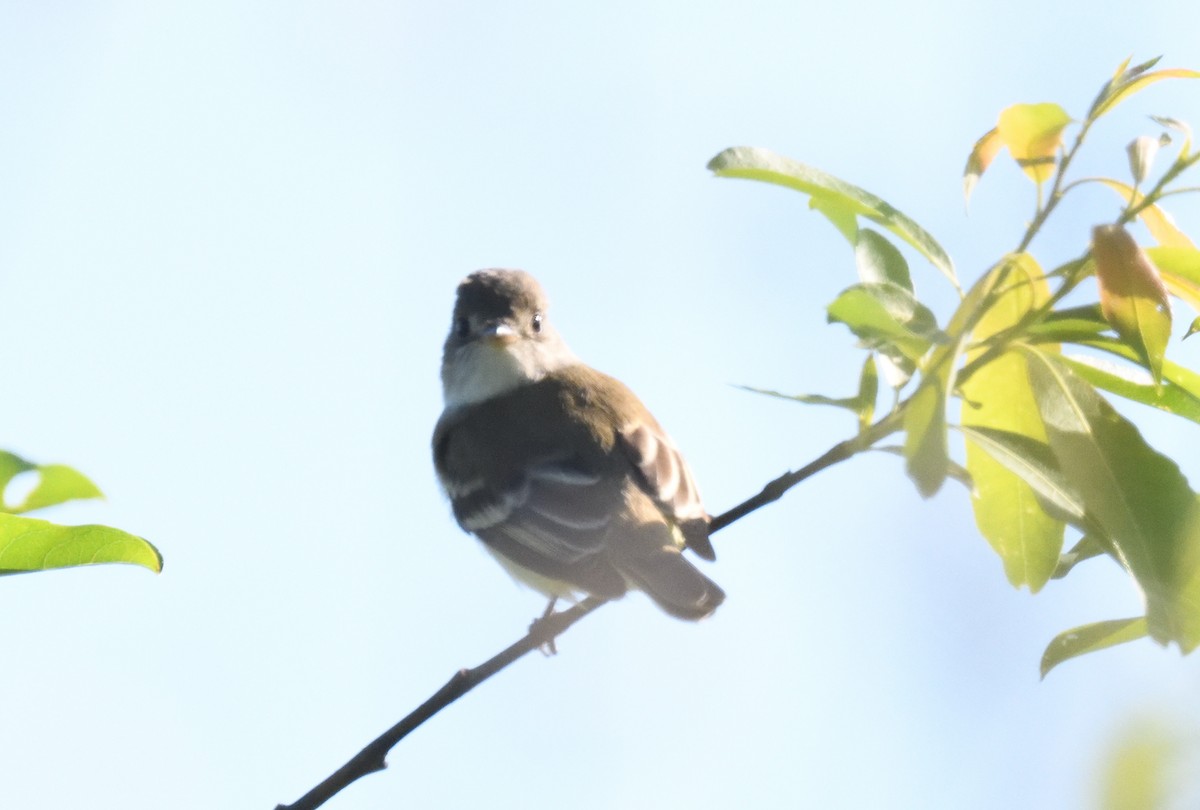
(878, 260)
(764, 165)
(862, 404)
(1126, 382)
(1133, 297)
(868, 393)
(1175, 376)
(56, 484)
(925, 446)
(843, 217)
(849, 403)
(1160, 224)
(1179, 268)
(1089, 546)
(1090, 638)
(1132, 81)
(28, 544)
(1033, 135)
(1033, 462)
(1193, 329)
(1137, 497)
(1070, 325)
(982, 155)
(886, 315)
(1006, 504)
(1179, 126)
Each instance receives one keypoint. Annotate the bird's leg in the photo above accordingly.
(548, 648)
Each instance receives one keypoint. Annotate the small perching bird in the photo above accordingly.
(559, 469)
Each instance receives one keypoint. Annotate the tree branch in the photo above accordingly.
(543, 631)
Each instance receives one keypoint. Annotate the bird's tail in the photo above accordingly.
(673, 583)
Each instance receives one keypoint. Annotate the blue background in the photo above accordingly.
(229, 238)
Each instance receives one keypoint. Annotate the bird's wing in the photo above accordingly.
(552, 521)
(664, 476)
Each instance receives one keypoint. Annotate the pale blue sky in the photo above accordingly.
(229, 238)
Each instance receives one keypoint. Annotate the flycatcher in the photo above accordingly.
(560, 470)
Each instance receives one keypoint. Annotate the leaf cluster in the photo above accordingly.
(1046, 452)
(30, 544)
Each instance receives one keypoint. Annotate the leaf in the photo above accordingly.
(925, 449)
(764, 165)
(1137, 497)
(1087, 548)
(1033, 135)
(57, 483)
(848, 403)
(868, 393)
(1133, 297)
(863, 404)
(28, 544)
(841, 215)
(1142, 768)
(1160, 224)
(1090, 638)
(895, 368)
(1179, 126)
(982, 155)
(1179, 268)
(1125, 382)
(1185, 381)
(1006, 505)
(1131, 82)
(886, 315)
(878, 260)
(1193, 329)
(954, 471)
(1070, 325)
(1034, 463)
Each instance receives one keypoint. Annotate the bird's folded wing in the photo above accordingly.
(556, 512)
(665, 477)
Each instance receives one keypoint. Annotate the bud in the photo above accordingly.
(1142, 151)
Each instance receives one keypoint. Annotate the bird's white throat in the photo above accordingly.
(477, 371)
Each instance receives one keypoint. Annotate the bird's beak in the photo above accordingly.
(500, 335)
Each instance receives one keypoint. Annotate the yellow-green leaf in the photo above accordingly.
(1033, 134)
(1193, 329)
(1160, 224)
(1137, 497)
(1090, 638)
(1179, 268)
(925, 446)
(878, 260)
(1126, 86)
(1135, 384)
(886, 316)
(1133, 296)
(999, 397)
(55, 484)
(753, 163)
(985, 151)
(28, 544)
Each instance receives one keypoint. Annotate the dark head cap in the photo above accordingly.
(499, 294)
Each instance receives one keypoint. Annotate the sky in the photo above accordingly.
(230, 234)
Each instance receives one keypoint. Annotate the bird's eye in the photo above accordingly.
(537, 321)
(462, 327)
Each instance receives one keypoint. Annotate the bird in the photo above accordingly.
(559, 469)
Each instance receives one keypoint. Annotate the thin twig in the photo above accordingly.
(543, 631)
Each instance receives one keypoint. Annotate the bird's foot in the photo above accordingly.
(538, 627)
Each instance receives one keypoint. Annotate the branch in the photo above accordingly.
(543, 631)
